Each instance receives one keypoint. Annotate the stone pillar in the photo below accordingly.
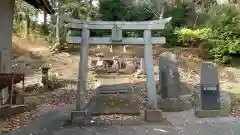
(83, 69)
(6, 28)
(151, 88)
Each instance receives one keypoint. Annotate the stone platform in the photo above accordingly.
(153, 115)
(175, 104)
(224, 106)
(208, 113)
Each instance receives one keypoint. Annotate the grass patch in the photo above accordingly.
(115, 102)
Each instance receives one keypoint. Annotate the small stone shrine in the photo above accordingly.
(169, 84)
(210, 101)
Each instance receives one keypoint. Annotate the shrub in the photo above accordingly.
(224, 22)
(191, 37)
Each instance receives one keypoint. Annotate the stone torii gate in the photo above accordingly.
(116, 38)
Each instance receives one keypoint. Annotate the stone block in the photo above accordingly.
(206, 113)
(153, 115)
(8, 110)
(76, 113)
(16, 109)
(174, 104)
(225, 104)
(130, 67)
(4, 110)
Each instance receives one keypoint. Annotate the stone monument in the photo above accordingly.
(130, 66)
(169, 84)
(169, 80)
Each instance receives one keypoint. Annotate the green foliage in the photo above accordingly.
(217, 26)
(224, 22)
(180, 12)
(113, 10)
(23, 13)
(116, 10)
(191, 37)
(79, 10)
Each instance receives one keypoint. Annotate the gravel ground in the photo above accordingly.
(50, 119)
(52, 122)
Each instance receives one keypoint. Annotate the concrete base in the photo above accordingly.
(153, 115)
(174, 104)
(76, 113)
(224, 106)
(208, 113)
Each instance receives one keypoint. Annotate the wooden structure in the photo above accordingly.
(8, 80)
(6, 29)
(116, 38)
(44, 5)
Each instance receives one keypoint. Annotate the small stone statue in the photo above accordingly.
(116, 63)
(100, 62)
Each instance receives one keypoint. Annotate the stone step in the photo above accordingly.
(124, 86)
(112, 92)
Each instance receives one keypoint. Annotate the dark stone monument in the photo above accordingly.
(209, 85)
(209, 100)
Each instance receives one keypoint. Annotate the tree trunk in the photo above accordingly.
(45, 22)
(28, 25)
(44, 18)
(57, 27)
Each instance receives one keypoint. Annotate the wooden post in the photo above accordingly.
(83, 69)
(152, 98)
(11, 90)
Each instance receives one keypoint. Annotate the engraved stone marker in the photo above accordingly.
(170, 88)
(169, 78)
(209, 83)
